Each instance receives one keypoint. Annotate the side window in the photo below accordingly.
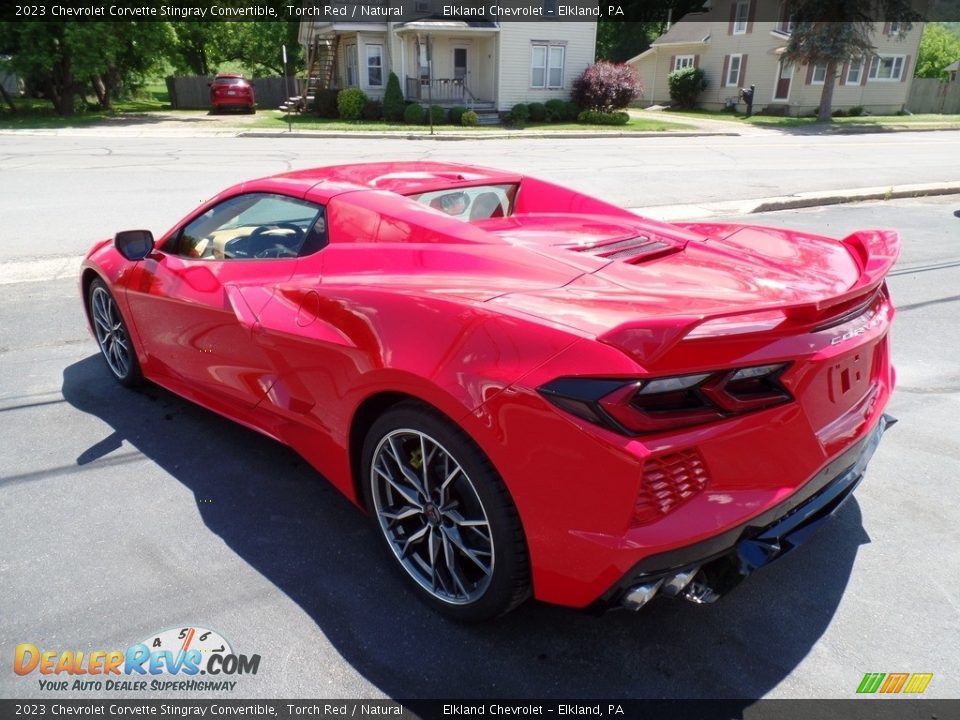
(256, 225)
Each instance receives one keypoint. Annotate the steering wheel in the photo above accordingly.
(286, 245)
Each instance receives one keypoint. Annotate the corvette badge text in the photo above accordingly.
(170, 660)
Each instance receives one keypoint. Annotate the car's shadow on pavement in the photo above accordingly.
(284, 520)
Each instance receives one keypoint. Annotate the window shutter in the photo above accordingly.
(733, 17)
(751, 13)
(696, 61)
(886, 28)
(906, 66)
(867, 62)
(743, 71)
(809, 74)
(726, 66)
(843, 72)
(673, 64)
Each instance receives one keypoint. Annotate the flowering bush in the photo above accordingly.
(606, 86)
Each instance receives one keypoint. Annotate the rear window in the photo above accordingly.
(229, 81)
(480, 202)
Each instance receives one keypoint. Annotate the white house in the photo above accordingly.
(479, 62)
(735, 51)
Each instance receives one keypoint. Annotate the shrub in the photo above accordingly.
(600, 117)
(413, 114)
(456, 113)
(538, 112)
(519, 115)
(855, 111)
(555, 110)
(469, 119)
(686, 85)
(372, 110)
(606, 86)
(839, 112)
(571, 111)
(350, 103)
(437, 114)
(393, 99)
(325, 104)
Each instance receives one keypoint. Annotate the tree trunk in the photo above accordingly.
(7, 98)
(826, 97)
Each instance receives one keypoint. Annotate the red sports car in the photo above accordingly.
(530, 391)
(229, 90)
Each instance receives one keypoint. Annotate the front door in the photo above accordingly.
(460, 63)
(196, 300)
(784, 78)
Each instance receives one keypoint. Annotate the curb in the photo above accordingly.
(445, 136)
(794, 202)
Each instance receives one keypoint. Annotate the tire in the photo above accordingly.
(454, 509)
(112, 335)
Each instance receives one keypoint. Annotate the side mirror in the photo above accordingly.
(134, 244)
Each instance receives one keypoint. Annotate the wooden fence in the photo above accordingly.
(929, 95)
(193, 92)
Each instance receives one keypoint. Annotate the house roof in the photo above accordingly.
(685, 31)
(953, 66)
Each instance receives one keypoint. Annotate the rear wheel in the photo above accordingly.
(112, 336)
(445, 514)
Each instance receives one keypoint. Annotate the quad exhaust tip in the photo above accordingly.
(679, 584)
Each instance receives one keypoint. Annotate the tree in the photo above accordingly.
(194, 50)
(619, 40)
(939, 47)
(258, 45)
(62, 60)
(829, 32)
(393, 104)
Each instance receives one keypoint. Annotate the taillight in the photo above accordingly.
(666, 403)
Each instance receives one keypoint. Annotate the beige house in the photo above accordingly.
(735, 52)
(480, 63)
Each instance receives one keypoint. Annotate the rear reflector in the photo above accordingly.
(668, 481)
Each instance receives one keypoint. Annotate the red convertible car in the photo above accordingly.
(529, 390)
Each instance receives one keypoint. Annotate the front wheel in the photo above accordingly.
(445, 514)
(112, 335)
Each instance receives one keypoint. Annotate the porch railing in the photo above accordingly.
(438, 90)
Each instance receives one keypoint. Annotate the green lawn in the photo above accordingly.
(788, 122)
(278, 121)
(33, 113)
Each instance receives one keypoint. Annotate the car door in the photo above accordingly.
(195, 301)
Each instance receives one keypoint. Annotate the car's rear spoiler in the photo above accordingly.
(875, 252)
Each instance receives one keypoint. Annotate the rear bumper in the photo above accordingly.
(706, 570)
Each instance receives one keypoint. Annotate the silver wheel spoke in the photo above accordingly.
(408, 511)
(408, 473)
(406, 493)
(413, 539)
(110, 333)
(454, 536)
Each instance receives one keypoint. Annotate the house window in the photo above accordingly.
(422, 5)
(351, 56)
(741, 17)
(374, 65)
(819, 75)
(683, 61)
(895, 28)
(546, 66)
(855, 71)
(733, 70)
(886, 68)
(785, 27)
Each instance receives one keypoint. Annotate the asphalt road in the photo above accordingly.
(58, 194)
(125, 513)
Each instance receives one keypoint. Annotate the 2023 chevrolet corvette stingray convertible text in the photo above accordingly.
(531, 391)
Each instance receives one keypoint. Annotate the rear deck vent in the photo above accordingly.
(628, 249)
